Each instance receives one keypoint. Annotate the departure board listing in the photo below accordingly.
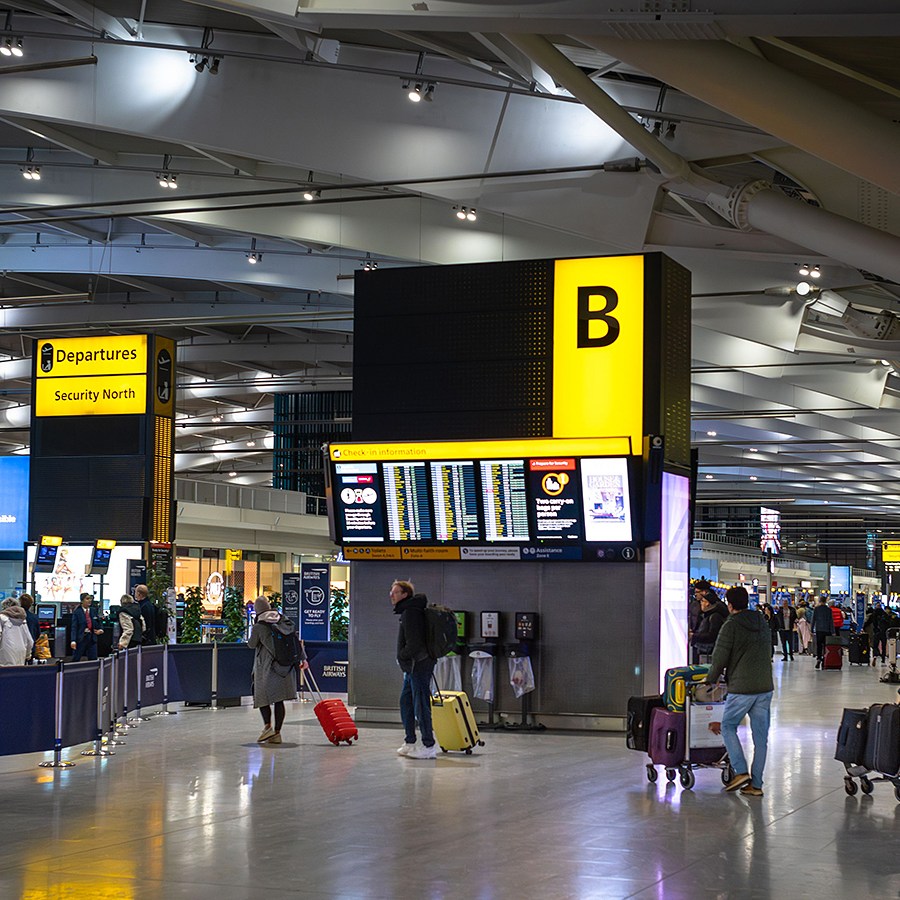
(553, 506)
(359, 501)
(554, 491)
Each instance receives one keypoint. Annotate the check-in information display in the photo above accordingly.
(481, 507)
(96, 376)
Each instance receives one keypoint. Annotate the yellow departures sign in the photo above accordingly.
(598, 348)
(91, 376)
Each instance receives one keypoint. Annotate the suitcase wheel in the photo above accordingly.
(670, 774)
(687, 778)
(468, 751)
(866, 785)
(481, 743)
(850, 786)
(652, 774)
(443, 749)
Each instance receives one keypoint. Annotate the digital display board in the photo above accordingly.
(770, 531)
(482, 506)
(840, 579)
(13, 502)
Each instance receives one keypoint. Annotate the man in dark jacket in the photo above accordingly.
(148, 612)
(85, 628)
(822, 626)
(712, 617)
(743, 653)
(417, 666)
(876, 625)
(786, 617)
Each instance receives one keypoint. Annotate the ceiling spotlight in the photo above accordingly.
(803, 288)
(754, 450)
(709, 476)
(253, 258)
(16, 49)
(35, 173)
(369, 265)
(753, 478)
(202, 64)
(711, 433)
(311, 195)
(6, 47)
(232, 474)
(803, 270)
(471, 215)
(670, 131)
(460, 212)
(657, 129)
(214, 66)
(815, 272)
(415, 93)
(251, 443)
(429, 93)
(216, 418)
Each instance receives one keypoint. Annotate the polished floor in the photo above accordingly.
(192, 807)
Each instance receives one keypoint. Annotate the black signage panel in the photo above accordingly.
(358, 496)
(555, 498)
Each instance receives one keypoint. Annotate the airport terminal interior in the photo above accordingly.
(246, 184)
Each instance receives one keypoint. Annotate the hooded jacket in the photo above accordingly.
(15, 638)
(744, 653)
(411, 645)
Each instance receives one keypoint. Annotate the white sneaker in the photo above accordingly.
(423, 752)
(408, 749)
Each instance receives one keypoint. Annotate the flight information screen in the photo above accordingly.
(543, 506)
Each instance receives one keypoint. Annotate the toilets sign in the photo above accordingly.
(315, 594)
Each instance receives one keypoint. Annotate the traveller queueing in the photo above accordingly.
(15, 639)
(743, 654)
(823, 627)
(131, 622)
(417, 666)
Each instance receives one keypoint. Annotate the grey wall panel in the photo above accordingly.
(594, 629)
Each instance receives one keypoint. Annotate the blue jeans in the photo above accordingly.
(415, 702)
(758, 707)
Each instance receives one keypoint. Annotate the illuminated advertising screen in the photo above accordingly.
(674, 546)
(533, 505)
(13, 502)
(840, 579)
(770, 528)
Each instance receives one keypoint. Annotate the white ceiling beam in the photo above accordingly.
(62, 138)
(65, 227)
(320, 49)
(190, 234)
(230, 161)
(42, 283)
(249, 289)
(529, 71)
(149, 287)
(444, 49)
(96, 19)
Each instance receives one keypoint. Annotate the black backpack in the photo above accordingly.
(161, 620)
(440, 630)
(288, 651)
(136, 620)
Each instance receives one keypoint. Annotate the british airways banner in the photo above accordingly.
(315, 601)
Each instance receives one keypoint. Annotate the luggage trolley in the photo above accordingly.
(702, 749)
(860, 745)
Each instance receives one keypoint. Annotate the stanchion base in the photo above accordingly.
(165, 712)
(304, 700)
(98, 752)
(60, 764)
(137, 720)
(115, 742)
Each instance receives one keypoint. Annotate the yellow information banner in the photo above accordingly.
(370, 552)
(106, 395)
(529, 448)
(890, 551)
(429, 552)
(106, 355)
(598, 347)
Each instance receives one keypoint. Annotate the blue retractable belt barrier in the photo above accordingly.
(27, 709)
(190, 673)
(235, 668)
(152, 675)
(79, 711)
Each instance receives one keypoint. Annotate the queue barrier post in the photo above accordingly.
(135, 719)
(123, 716)
(165, 711)
(98, 748)
(214, 689)
(114, 737)
(58, 762)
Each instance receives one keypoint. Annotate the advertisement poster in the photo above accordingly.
(554, 493)
(315, 593)
(607, 506)
(359, 501)
(290, 597)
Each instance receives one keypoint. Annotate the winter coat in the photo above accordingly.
(411, 645)
(709, 626)
(743, 652)
(15, 638)
(271, 682)
(838, 618)
(822, 620)
(786, 624)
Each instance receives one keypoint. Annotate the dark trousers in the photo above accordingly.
(787, 643)
(86, 648)
(879, 642)
(415, 702)
(820, 644)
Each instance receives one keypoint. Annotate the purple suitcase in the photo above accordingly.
(667, 730)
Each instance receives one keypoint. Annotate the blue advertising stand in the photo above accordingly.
(290, 597)
(315, 601)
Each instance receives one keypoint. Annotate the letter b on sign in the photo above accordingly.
(587, 330)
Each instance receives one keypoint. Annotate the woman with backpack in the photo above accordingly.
(273, 682)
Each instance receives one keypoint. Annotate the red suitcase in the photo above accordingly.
(834, 656)
(333, 716)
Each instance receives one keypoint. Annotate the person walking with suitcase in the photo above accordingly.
(417, 666)
(823, 627)
(273, 682)
(743, 654)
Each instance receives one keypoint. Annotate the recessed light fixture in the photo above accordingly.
(711, 433)
(709, 477)
(754, 450)
(251, 443)
(753, 478)
(232, 474)
(803, 288)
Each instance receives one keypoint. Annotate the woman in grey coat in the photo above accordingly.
(272, 683)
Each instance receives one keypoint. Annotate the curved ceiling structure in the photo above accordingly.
(743, 143)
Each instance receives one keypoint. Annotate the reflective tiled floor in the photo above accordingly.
(192, 807)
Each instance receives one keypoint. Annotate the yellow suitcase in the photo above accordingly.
(454, 722)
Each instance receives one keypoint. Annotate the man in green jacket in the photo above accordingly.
(743, 652)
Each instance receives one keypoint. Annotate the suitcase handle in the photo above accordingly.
(314, 688)
(437, 692)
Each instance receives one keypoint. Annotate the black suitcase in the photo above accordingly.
(851, 737)
(883, 741)
(638, 724)
(858, 649)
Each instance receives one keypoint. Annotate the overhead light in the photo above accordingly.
(711, 433)
(803, 271)
(803, 288)
(369, 265)
(232, 474)
(471, 215)
(311, 195)
(6, 47)
(253, 257)
(167, 180)
(217, 418)
(214, 66)
(670, 131)
(415, 93)
(460, 212)
(657, 129)
(31, 173)
(815, 272)
(709, 477)
(753, 450)
(753, 478)
(251, 443)
(429, 93)
(464, 213)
